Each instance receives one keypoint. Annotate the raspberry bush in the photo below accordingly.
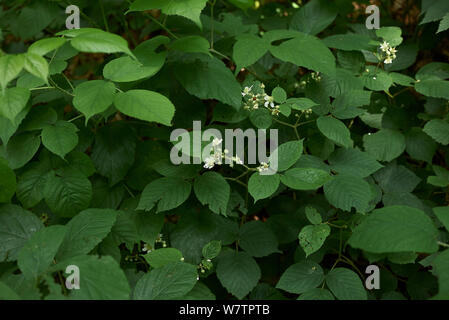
(86, 177)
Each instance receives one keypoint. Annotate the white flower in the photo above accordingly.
(247, 90)
(209, 162)
(237, 160)
(263, 167)
(388, 60)
(216, 142)
(384, 46)
(392, 51)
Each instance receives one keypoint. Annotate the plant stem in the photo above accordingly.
(76, 118)
(235, 180)
(105, 21)
(68, 81)
(443, 244)
(42, 88)
(212, 4)
(161, 25)
(220, 54)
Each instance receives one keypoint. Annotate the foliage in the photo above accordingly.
(85, 171)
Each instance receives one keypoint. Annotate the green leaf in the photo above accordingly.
(434, 10)
(100, 278)
(248, 50)
(279, 95)
(393, 178)
(396, 229)
(85, 231)
(96, 40)
(12, 102)
(93, 97)
(317, 294)
(384, 145)
(113, 152)
(346, 191)
(390, 34)
(350, 42)
(306, 51)
(167, 192)
(419, 145)
(377, 80)
(439, 130)
(433, 69)
(261, 118)
(212, 249)
(43, 46)
(238, 272)
(146, 105)
(161, 257)
(433, 88)
(441, 265)
(125, 69)
(38, 118)
(208, 78)
(37, 66)
(444, 23)
(311, 238)
(346, 105)
(354, 162)
(345, 284)
(7, 182)
(442, 214)
(212, 189)
(287, 154)
(199, 292)
(190, 9)
(263, 186)
(38, 253)
(68, 193)
(301, 104)
(60, 138)
(257, 239)
(313, 215)
(441, 179)
(16, 228)
(21, 149)
(10, 67)
(191, 44)
(6, 293)
(196, 228)
(165, 283)
(301, 277)
(335, 130)
(305, 178)
(314, 17)
(242, 4)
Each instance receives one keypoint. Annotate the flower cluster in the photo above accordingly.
(390, 52)
(308, 112)
(218, 156)
(147, 248)
(205, 265)
(316, 76)
(263, 167)
(256, 100)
